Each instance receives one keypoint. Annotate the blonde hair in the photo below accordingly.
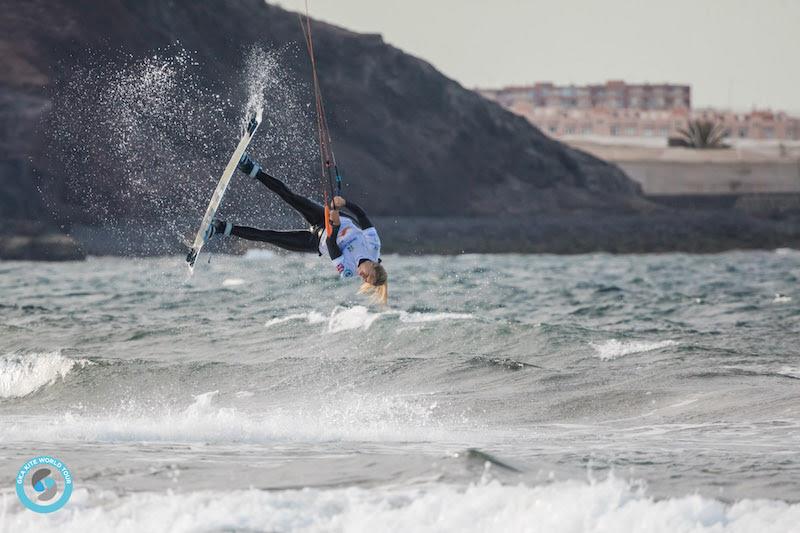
(379, 292)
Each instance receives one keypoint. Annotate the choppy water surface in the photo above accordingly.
(540, 393)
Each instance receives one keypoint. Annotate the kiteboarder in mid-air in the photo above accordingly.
(349, 237)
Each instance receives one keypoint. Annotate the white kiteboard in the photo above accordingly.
(201, 238)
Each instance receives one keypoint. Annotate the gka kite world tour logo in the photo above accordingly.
(44, 484)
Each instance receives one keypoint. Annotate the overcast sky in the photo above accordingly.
(734, 53)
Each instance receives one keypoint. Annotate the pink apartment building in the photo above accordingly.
(620, 109)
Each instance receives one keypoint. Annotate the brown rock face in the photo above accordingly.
(440, 167)
(411, 140)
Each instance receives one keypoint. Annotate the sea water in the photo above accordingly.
(495, 393)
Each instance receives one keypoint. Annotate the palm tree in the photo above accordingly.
(703, 134)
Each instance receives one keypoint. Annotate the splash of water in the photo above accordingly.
(142, 141)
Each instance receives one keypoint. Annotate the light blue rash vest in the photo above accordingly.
(356, 244)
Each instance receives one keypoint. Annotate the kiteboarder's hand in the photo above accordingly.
(335, 217)
(338, 202)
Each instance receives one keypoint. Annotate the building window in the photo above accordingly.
(742, 132)
(769, 133)
(614, 129)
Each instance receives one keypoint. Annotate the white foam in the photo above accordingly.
(258, 254)
(433, 317)
(21, 375)
(781, 299)
(349, 318)
(232, 282)
(201, 405)
(340, 319)
(312, 317)
(613, 348)
(792, 372)
(786, 251)
(575, 506)
(360, 317)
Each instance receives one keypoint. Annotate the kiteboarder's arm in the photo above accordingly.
(334, 251)
(361, 216)
(333, 248)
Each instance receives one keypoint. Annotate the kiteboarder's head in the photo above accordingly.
(375, 281)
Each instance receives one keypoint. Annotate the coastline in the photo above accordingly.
(665, 230)
(43, 247)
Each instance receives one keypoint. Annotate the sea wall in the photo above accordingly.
(691, 178)
(768, 167)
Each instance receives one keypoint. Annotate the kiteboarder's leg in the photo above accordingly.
(295, 241)
(311, 211)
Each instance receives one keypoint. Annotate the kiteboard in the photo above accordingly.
(201, 238)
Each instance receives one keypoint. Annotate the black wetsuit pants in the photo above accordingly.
(293, 240)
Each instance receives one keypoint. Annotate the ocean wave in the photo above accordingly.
(23, 374)
(312, 317)
(789, 371)
(342, 416)
(613, 348)
(565, 506)
(233, 282)
(360, 317)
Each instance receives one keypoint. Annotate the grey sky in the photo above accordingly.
(736, 53)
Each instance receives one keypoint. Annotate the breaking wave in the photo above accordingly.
(342, 416)
(789, 371)
(360, 317)
(566, 506)
(23, 374)
(613, 348)
(312, 317)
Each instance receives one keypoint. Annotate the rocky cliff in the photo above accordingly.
(411, 141)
